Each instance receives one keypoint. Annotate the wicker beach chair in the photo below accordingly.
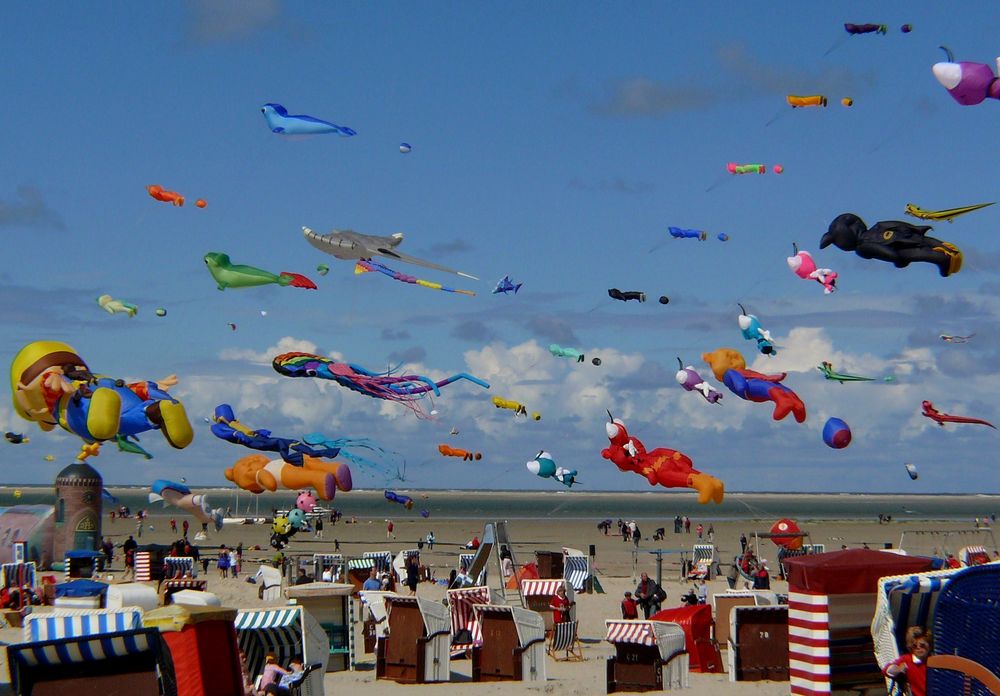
(566, 642)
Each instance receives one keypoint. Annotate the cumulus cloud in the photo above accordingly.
(287, 344)
(646, 97)
(394, 335)
(228, 20)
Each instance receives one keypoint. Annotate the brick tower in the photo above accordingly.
(78, 510)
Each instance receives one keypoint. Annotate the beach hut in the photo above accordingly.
(649, 656)
(466, 632)
(131, 594)
(376, 621)
(83, 564)
(758, 643)
(513, 644)
(80, 594)
(538, 596)
(576, 569)
(286, 631)
(966, 632)
(202, 646)
(123, 663)
(697, 624)
(723, 603)
(416, 649)
(330, 604)
(831, 602)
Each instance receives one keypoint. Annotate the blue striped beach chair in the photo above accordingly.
(181, 566)
(74, 623)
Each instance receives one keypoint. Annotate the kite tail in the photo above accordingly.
(517, 287)
(295, 280)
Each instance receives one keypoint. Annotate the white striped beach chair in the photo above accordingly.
(576, 571)
(17, 574)
(466, 631)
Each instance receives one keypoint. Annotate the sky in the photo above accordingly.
(552, 143)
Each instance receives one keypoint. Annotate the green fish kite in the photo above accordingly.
(828, 373)
(230, 275)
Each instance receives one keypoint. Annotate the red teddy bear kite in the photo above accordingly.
(666, 467)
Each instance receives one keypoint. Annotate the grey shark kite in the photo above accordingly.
(352, 246)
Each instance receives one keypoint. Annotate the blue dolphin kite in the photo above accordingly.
(280, 121)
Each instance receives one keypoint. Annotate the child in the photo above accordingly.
(630, 610)
(911, 668)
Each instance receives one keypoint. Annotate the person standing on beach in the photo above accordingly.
(733, 575)
(649, 595)
(700, 529)
(185, 525)
(743, 543)
(173, 525)
(560, 606)
(430, 541)
(711, 534)
(138, 527)
(319, 527)
(412, 574)
(388, 530)
(630, 610)
(677, 524)
(223, 563)
(687, 524)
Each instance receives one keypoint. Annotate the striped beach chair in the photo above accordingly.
(381, 559)
(73, 623)
(180, 567)
(120, 662)
(648, 655)
(333, 561)
(565, 641)
(576, 570)
(466, 632)
(973, 555)
(465, 562)
(17, 574)
(287, 632)
(143, 566)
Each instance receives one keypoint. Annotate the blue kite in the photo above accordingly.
(506, 285)
(283, 123)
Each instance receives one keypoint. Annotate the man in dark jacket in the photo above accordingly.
(649, 595)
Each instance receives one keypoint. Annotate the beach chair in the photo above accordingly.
(723, 603)
(758, 643)
(465, 563)
(538, 595)
(269, 579)
(124, 662)
(287, 632)
(180, 567)
(566, 641)
(576, 569)
(416, 649)
(703, 559)
(75, 623)
(973, 556)
(376, 623)
(334, 561)
(649, 656)
(202, 645)
(513, 647)
(966, 625)
(466, 632)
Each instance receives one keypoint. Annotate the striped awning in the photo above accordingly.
(184, 584)
(75, 623)
(639, 632)
(382, 559)
(541, 588)
(360, 563)
(260, 631)
(577, 571)
(83, 649)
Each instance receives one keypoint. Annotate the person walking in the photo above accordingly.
(223, 563)
(184, 528)
(388, 530)
(700, 529)
(319, 527)
(412, 573)
(173, 525)
(743, 543)
(649, 595)
(687, 524)
(711, 534)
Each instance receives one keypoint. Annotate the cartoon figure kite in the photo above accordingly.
(517, 407)
(172, 197)
(942, 418)
(544, 465)
(506, 286)
(230, 275)
(466, 455)
(729, 367)
(948, 214)
(828, 373)
(899, 243)
(616, 294)
(180, 496)
(948, 338)
(666, 467)
(753, 331)
(967, 83)
(804, 267)
(689, 378)
(113, 306)
(369, 266)
(281, 122)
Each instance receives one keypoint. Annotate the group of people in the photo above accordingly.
(230, 561)
(275, 679)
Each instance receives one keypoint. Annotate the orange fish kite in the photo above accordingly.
(464, 454)
(157, 192)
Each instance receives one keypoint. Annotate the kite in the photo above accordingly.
(679, 233)
(847, 101)
(15, 438)
(281, 122)
(49, 458)
(425, 513)
(729, 367)
(160, 312)
(505, 285)
(126, 445)
(899, 243)
(466, 455)
(855, 29)
(305, 501)
(158, 192)
(201, 203)
(911, 469)
(617, 294)
(112, 306)
(753, 331)
(518, 408)
(256, 473)
(836, 433)
(829, 373)
(804, 267)
(405, 148)
(948, 214)
(792, 542)
(942, 418)
(352, 246)
(180, 496)
(544, 466)
(453, 431)
(232, 326)
(812, 100)
(666, 467)
(369, 266)
(404, 500)
(405, 389)
(967, 83)
(948, 338)
(230, 275)
(906, 28)
(689, 378)
(560, 352)
(322, 269)
(734, 168)
(53, 386)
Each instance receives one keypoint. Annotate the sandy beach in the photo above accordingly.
(617, 565)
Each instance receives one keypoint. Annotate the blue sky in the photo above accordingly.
(555, 143)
